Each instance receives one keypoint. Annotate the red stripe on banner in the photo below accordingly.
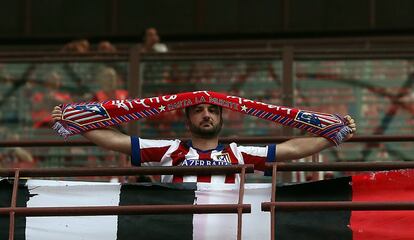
(383, 186)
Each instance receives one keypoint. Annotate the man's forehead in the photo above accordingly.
(205, 105)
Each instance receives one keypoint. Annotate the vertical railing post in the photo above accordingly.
(315, 159)
(273, 199)
(13, 204)
(240, 209)
(287, 92)
(134, 83)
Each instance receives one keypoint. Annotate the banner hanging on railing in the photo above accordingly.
(43, 193)
(396, 186)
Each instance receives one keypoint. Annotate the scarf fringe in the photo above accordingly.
(341, 135)
(61, 130)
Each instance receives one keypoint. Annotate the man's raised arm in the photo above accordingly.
(302, 147)
(107, 138)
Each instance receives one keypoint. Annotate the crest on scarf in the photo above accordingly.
(315, 119)
(85, 114)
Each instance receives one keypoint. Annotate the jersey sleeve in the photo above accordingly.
(149, 152)
(258, 156)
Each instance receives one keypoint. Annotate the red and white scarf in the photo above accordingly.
(81, 117)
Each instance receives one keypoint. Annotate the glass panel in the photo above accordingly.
(254, 79)
(28, 93)
(377, 93)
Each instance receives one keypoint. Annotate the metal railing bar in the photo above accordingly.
(51, 57)
(127, 210)
(50, 54)
(340, 166)
(66, 59)
(345, 52)
(241, 140)
(337, 205)
(125, 171)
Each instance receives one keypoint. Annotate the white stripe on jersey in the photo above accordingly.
(150, 143)
(192, 154)
(167, 161)
(259, 152)
(236, 152)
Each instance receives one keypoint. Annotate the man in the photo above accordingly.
(204, 121)
(152, 42)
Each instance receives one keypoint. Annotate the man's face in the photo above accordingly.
(151, 36)
(204, 120)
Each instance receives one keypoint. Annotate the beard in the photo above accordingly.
(203, 132)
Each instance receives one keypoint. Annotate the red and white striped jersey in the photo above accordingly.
(146, 152)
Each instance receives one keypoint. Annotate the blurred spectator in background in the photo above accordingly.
(16, 157)
(107, 79)
(77, 46)
(151, 42)
(6, 79)
(50, 96)
(106, 46)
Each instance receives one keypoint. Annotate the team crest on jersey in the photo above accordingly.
(223, 157)
(86, 114)
(315, 119)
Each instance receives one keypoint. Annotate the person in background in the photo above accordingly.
(77, 46)
(151, 42)
(16, 157)
(106, 47)
(107, 79)
(51, 95)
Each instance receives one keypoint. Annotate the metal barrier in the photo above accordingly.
(238, 208)
(340, 205)
(241, 140)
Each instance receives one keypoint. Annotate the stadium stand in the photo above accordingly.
(377, 91)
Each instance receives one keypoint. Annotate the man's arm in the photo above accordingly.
(302, 147)
(107, 138)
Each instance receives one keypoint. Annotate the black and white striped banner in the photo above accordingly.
(46, 193)
(299, 225)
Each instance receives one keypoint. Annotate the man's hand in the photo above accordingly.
(105, 137)
(56, 114)
(297, 148)
(350, 122)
